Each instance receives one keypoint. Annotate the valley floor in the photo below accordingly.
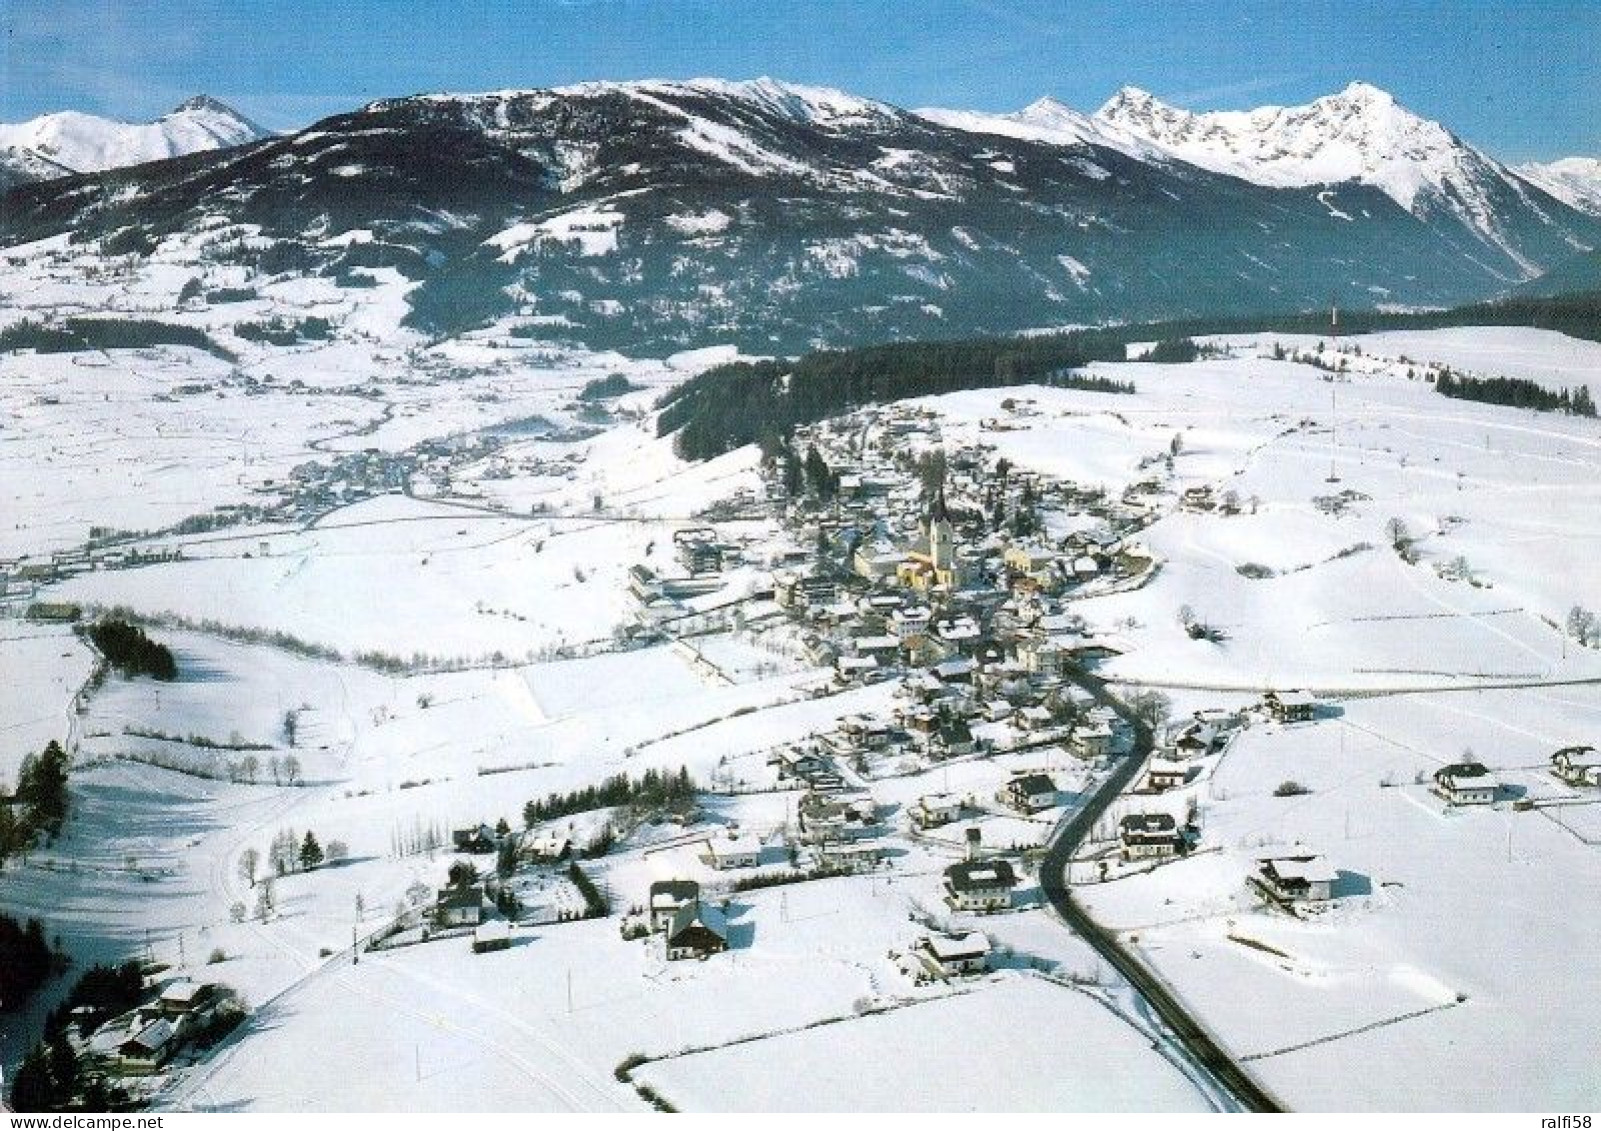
(465, 642)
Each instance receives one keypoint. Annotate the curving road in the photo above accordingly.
(1065, 842)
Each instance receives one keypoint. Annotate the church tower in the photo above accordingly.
(941, 540)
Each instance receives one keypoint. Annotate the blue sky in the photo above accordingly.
(1519, 78)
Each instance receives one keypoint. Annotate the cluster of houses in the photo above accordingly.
(1577, 766)
(22, 578)
(143, 1040)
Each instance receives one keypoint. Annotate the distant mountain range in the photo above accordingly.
(1576, 181)
(57, 145)
(656, 215)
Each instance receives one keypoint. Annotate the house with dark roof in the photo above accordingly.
(147, 1049)
(1028, 793)
(696, 931)
(1466, 783)
(459, 906)
(1577, 765)
(479, 841)
(980, 885)
(952, 737)
(1147, 836)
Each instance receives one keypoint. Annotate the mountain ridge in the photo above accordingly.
(660, 214)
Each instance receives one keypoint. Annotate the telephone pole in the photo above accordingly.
(1334, 401)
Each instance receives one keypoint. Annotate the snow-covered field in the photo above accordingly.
(1509, 495)
(861, 1064)
(498, 553)
(1450, 930)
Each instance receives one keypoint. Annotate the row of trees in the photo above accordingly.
(286, 332)
(126, 648)
(291, 853)
(654, 789)
(39, 806)
(26, 961)
(283, 771)
(740, 403)
(1515, 391)
(73, 334)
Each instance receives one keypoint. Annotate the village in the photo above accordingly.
(922, 654)
(950, 579)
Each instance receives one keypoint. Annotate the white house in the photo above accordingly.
(1297, 879)
(1466, 783)
(980, 885)
(1150, 836)
(935, 809)
(737, 850)
(1029, 793)
(949, 955)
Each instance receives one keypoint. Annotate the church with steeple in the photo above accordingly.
(931, 563)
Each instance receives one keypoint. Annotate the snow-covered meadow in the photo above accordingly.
(485, 558)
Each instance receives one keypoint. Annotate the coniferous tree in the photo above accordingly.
(310, 852)
(34, 1089)
(42, 789)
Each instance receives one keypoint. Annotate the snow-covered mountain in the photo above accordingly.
(657, 215)
(1045, 120)
(1576, 181)
(56, 145)
(1362, 135)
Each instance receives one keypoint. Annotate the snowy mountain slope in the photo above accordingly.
(69, 142)
(1576, 181)
(1046, 120)
(1360, 134)
(665, 215)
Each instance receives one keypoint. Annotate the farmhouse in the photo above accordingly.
(1297, 879)
(549, 847)
(1466, 783)
(1197, 739)
(459, 906)
(147, 1050)
(667, 898)
(186, 1002)
(696, 931)
(1290, 706)
(1028, 793)
(735, 850)
(850, 857)
(1577, 765)
(1042, 655)
(1150, 836)
(1092, 737)
(980, 885)
(946, 956)
(1163, 774)
(935, 809)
